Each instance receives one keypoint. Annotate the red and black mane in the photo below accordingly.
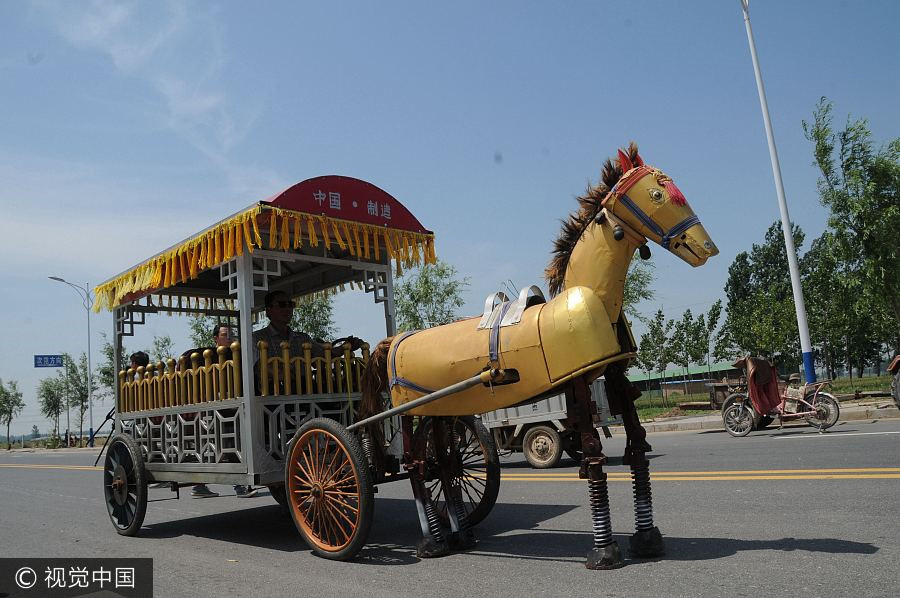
(588, 208)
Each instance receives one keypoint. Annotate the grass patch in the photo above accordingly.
(846, 386)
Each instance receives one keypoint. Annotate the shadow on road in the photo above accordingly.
(508, 532)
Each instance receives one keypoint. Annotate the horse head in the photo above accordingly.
(646, 204)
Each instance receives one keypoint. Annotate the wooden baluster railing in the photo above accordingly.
(209, 389)
(307, 364)
(286, 360)
(325, 369)
(195, 378)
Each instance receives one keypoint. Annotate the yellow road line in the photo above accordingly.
(743, 472)
(40, 466)
(721, 478)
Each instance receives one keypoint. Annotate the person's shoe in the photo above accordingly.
(201, 491)
(244, 491)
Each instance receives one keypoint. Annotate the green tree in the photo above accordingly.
(645, 360)
(163, 348)
(77, 379)
(51, 395)
(428, 296)
(35, 433)
(861, 187)
(681, 340)
(200, 327)
(760, 315)
(657, 347)
(106, 375)
(314, 315)
(638, 287)
(11, 405)
(705, 331)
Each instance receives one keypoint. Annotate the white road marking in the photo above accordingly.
(836, 435)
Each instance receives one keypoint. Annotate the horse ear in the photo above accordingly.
(624, 162)
(638, 161)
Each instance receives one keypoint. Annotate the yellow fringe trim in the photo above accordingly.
(229, 238)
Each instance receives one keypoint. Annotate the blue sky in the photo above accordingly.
(128, 126)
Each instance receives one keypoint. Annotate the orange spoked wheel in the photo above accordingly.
(329, 491)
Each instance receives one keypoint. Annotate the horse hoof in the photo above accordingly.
(647, 544)
(427, 548)
(463, 541)
(607, 557)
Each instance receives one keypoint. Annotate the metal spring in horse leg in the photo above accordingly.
(643, 500)
(600, 519)
(366, 442)
(461, 516)
(434, 522)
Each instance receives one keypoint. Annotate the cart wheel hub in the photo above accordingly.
(541, 446)
(317, 491)
(119, 485)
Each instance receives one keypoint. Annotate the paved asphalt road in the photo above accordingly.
(776, 513)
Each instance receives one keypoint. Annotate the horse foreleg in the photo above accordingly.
(647, 541)
(432, 543)
(445, 447)
(605, 554)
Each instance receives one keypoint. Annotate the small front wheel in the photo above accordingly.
(827, 412)
(329, 491)
(542, 447)
(738, 419)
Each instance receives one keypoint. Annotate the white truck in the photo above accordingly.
(541, 429)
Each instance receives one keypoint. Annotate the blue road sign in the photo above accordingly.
(48, 361)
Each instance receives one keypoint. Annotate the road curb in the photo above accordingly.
(714, 422)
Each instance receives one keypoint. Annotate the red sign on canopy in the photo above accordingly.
(348, 199)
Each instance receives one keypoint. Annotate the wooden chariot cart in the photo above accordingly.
(262, 415)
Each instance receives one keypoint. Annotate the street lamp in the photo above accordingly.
(85, 295)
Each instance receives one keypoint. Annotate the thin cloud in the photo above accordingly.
(178, 51)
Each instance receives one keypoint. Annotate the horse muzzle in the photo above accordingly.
(694, 245)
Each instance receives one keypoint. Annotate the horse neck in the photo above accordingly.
(600, 263)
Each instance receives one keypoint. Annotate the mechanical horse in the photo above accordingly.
(525, 348)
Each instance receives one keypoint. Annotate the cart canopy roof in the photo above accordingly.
(334, 216)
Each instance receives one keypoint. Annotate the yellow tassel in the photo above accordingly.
(245, 227)
(365, 243)
(311, 230)
(273, 230)
(238, 240)
(285, 236)
(375, 234)
(298, 236)
(324, 226)
(349, 238)
(387, 244)
(337, 235)
(256, 228)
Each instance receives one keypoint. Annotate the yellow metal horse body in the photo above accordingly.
(573, 334)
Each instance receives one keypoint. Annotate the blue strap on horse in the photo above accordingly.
(665, 237)
(396, 380)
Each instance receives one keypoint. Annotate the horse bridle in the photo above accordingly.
(628, 180)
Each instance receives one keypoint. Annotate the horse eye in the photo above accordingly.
(656, 195)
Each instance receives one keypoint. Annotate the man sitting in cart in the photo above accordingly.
(279, 311)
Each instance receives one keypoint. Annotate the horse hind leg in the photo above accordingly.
(432, 544)
(446, 448)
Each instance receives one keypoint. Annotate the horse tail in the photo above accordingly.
(373, 384)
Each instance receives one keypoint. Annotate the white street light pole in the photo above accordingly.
(85, 295)
(799, 305)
